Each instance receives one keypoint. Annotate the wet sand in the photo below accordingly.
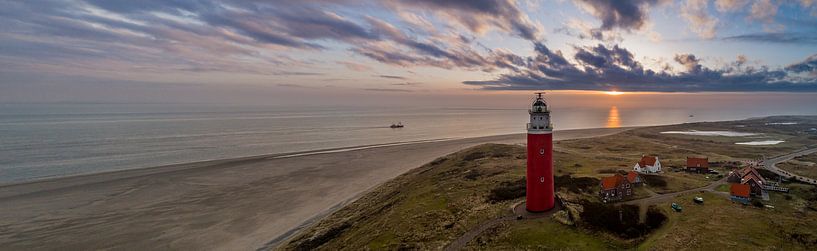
(233, 204)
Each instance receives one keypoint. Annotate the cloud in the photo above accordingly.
(764, 10)
(479, 16)
(584, 30)
(807, 66)
(157, 36)
(386, 90)
(689, 61)
(730, 5)
(776, 37)
(391, 77)
(354, 66)
(625, 15)
(703, 24)
(604, 68)
(407, 84)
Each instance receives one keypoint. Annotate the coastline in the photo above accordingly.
(256, 201)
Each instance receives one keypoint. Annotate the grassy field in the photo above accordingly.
(802, 165)
(432, 205)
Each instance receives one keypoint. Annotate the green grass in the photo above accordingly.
(723, 188)
(545, 234)
(803, 165)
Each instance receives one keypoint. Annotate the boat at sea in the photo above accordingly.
(398, 125)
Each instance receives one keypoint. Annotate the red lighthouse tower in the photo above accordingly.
(539, 193)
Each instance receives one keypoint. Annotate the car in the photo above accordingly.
(677, 207)
(699, 200)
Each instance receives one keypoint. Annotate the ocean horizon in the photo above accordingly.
(53, 140)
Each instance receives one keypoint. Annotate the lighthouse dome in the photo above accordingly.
(539, 105)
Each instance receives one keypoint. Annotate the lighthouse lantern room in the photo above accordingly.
(539, 193)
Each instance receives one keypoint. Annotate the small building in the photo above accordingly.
(734, 176)
(634, 178)
(648, 164)
(750, 177)
(697, 165)
(755, 182)
(614, 188)
(740, 193)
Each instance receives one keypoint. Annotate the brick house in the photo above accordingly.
(740, 193)
(634, 178)
(748, 176)
(697, 165)
(614, 188)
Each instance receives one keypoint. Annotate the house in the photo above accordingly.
(740, 193)
(614, 188)
(734, 176)
(755, 183)
(697, 165)
(748, 176)
(648, 164)
(634, 178)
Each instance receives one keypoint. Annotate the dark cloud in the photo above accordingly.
(604, 68)
(690, 62)
(391, 77)
(626, 14)
(785, 38)
(809, 65)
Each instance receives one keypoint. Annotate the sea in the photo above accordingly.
(40, 141)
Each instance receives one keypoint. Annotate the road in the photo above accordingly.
(669, 196)
(771, 165)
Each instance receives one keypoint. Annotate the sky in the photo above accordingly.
(290, 51)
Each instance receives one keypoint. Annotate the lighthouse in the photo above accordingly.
(539, 190)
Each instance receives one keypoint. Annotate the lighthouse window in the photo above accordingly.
(542, 151)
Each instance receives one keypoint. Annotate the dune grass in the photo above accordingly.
(432, 205)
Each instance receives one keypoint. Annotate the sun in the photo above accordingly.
(614, 93)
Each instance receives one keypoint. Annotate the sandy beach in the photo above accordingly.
(234, 204)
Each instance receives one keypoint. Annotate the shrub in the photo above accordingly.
(607, 170)
(575, 185)
(472, 174)
(508, 191)
(474, 155)
(438, 161)
(655, 180)
(621, 220)
(757, 203)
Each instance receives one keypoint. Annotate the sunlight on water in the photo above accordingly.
(613, 120)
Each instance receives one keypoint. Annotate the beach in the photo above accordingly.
(232, 204)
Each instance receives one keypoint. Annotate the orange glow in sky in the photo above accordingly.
(614, 93)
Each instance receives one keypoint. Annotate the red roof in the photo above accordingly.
(698, 162)
(747, 171)
(741, 190)
(647, 161)
(751, 177)
(631, 176)
(611, 182)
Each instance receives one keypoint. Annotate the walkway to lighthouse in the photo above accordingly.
(519, 212)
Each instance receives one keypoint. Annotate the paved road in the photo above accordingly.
(669, 196)
(771, 165)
